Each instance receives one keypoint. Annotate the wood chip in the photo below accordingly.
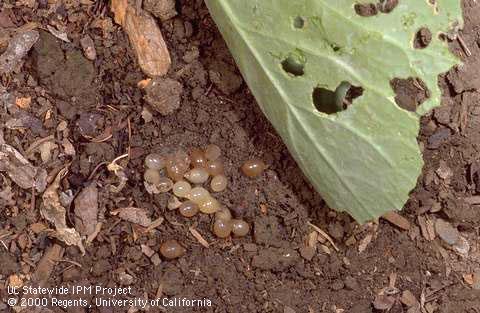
(325, 235)
(397, 220)
(146, 39)
(86, 210)
(147, 250)
(119, 9)
(426, 227)
(199, 237)
(23, 103)
(365, 242)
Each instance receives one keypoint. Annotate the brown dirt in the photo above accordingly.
(269, 270)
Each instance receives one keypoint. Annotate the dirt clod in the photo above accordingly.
(164, 95)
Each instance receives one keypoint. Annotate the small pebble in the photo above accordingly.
(173, 203)
(446, 231)
(253, 168)
(171, 249)
(307, 252)
(218, 183)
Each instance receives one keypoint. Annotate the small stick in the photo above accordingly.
(199, 237)
(324, 234)
(464, 46)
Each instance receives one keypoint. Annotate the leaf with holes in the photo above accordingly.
(328, 74)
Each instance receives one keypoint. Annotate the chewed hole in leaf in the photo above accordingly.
(294, 64)
(387, 6)
(366, 9)
(330, 102)
(410, 93)
(371, 9)
(298, 22)
(422, 38)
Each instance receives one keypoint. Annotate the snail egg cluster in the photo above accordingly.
(187, 175)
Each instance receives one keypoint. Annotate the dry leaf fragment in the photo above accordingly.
(47, 263)
(20, 170)
(468, 278)
(397, 219)
(68, 147)
(58, 33)
(55, 213)
(325, 235)
(86, 210)
(147, 41)
(133, 215)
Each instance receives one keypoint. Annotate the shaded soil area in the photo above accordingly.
(99, 108)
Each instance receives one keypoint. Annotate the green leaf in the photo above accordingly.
(364, 160)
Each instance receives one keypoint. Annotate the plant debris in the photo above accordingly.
(53, 211)
(86, 210)
(133, 215)
(20, 170)
(17, 49)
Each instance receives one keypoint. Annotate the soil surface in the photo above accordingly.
(97, 105)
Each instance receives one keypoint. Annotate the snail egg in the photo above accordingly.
(222, 228)
(181, 188)
(188, 209)
(198, 175)
(223, 214)
(218, 183)
(198, 194)
(152, 176)
(154, 161)
(164, 184)
(240, 228)
(171, 249)
(209, 205)
(197, 158)
(215, 167)
(253, 168)
(212, 152)
(176, 168)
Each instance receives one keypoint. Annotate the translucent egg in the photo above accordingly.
(152, 176)
(176, 168)
(154, 161)
(222, 228)
(223, 214)
(197, 158)
(171, 249)
(253, 168)
(240, 228)
(198, 194)
(209, 205)
(212, 152)
(215, 167)
(182, 156)
(198, 175)
(188, 209)
(164, 185)
(218, 183)
(181, 188)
